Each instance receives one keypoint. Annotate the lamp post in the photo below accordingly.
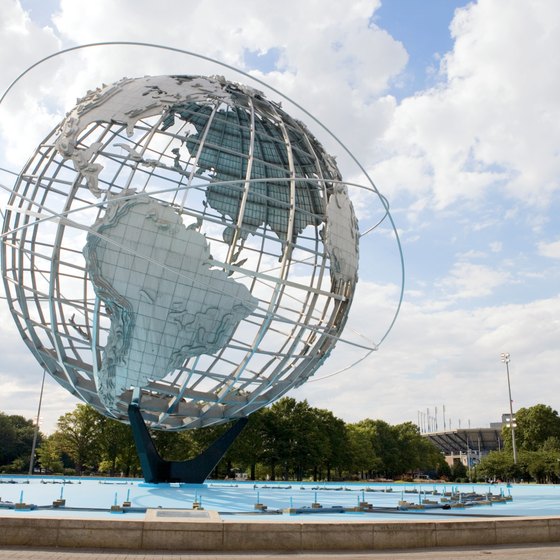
(36, 433)
(505, 359)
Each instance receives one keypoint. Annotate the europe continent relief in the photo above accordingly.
(164, 301)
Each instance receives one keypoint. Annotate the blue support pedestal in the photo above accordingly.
(192, 471)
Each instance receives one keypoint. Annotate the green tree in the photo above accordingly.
(458, 471)
(336, 446)
(498, 465)
(8, 439)
(537, 437)
(249, 448)
(77, 435)
(380, 449)
(274, 443)
(535, 425)
(360, 458)
(541, 465)
(48, 454)
(16, 440)
(116, 446)
(443, 470)
(300, 443)
(416, 453)
(299, 439)
(551, 443)
(385, 447)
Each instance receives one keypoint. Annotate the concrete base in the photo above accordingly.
(192, 530)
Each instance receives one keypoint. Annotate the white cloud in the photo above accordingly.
(21, 111)
(22, 397)
(327, 38)
(468, 280)
(493, 121)
(472, 254)
(18, 34)
(496, 246)
(20, 379)
(404, 173)
(550, 250)
(332, 61)
(436, 357)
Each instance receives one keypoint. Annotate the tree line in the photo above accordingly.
(288, 440)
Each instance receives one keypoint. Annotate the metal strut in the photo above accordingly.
(193, 471)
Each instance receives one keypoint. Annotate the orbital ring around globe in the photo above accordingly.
(183, 242)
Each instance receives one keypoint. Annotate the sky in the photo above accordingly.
(451, 107)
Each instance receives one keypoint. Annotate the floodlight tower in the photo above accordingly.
(505, 359)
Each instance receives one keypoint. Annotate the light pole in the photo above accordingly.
(505, 359)
(36, 433)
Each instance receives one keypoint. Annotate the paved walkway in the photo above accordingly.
(521, 552)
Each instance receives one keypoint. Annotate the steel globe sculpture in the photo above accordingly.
(180, 242)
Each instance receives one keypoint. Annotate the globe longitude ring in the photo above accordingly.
(182, 241)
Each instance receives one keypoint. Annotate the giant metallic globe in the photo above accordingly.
(184, 242)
